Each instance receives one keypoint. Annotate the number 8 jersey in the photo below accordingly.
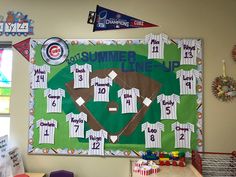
(152, 134)
(39, 76)
(182, 134)
(54, 99)
(187, 80)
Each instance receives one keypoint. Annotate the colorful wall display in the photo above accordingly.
(115, 97)
(106, 19)
(16, 23)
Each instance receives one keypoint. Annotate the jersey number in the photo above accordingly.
(128, 102)
(188, 55)
(152, 138)
(40, 77)
(181, 136)
(77, 128)
(155, 49)
(54, 103)
(96, 145)
(46, 133)
(80, 78)
(168, 110)
(101, 90)
(188, 84)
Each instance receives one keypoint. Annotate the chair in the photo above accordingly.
(61, 173)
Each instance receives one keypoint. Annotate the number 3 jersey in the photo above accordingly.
(129, 100)
(168, 105)
(76, 124)
(46, 130)
(101, 88)
(81, 75)
(96, 141)
(54, 99)
(187, 80)
(182, 134)
(152, 134)
(39, 76)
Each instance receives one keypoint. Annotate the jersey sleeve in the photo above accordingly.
(180, 43)
(68, 116)
(177, 98)
(55, 122)
(136, 91)
(119, 93)
(159, 98)
(110, 81)
(104, 133)
(196, 73)
(84, 116)
(191, 126)
(38, 123)
(161, 126)
(165, 38)
(93, 81)
(62, 92)
(147, 38)
(178, 74)
(88, 133)
(47, 68)
(144, 126)
(173, 126)
(72, 68)
(46, 92)
(89, 67)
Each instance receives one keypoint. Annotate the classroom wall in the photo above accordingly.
(211, 20)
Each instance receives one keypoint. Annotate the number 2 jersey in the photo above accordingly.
(152, 134)
(38, 76)
(182, 134)
(187, 80)
(96, 141)
(76, 124)
(54, 99)
(46, 131)
(168, 105)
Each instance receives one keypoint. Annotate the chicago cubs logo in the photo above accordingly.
(54, 51)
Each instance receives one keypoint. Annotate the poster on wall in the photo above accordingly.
(115, 97)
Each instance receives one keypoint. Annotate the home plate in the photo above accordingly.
(80, 101)
(113, 138)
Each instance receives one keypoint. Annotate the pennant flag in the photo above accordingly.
(106, 19)
(23, 48)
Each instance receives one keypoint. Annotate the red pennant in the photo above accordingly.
(23, 48)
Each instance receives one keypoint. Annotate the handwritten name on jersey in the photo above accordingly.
(39, 71)
(48, 124)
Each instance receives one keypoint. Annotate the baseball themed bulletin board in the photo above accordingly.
(115, 97)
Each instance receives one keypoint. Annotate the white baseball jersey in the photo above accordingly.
(182, 134)
(46, 131)
(96, 141)
(152, 134)
(54, 99)
(129, 100)
(81, 75)
(39, 76)
(156, 45)
(187, 80)
(168, 105)
(189, 50)
(76, 124)
(101, 88)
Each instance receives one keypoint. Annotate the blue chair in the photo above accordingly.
(61, 173)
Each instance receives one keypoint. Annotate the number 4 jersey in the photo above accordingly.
(54, 99)
(96, 141)
(39, 76)
(46, 131)
(152, 134)
(182, 134)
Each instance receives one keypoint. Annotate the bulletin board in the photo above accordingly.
(131, 99)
